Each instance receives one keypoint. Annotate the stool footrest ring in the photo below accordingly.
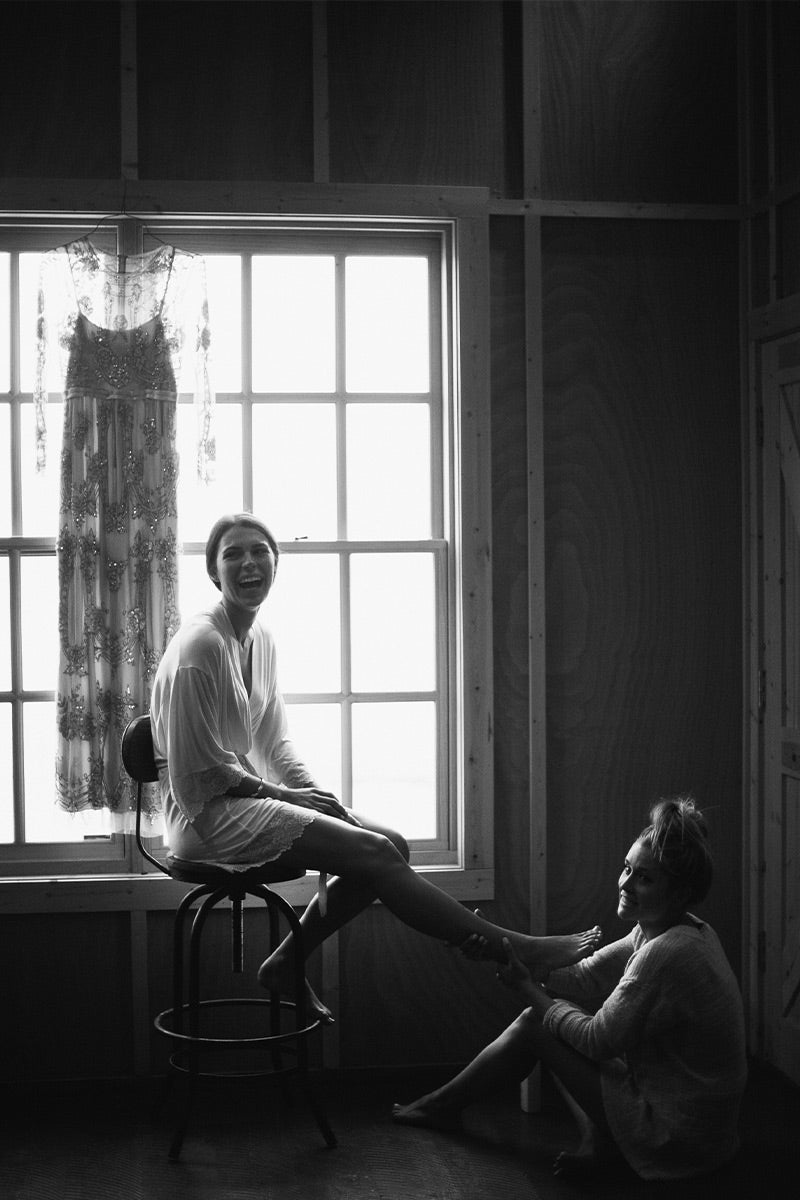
(162, 1024)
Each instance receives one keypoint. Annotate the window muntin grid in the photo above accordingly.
(258, 432)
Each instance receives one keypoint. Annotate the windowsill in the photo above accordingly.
(130, 893)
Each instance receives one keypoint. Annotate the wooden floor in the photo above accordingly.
(103, 1143)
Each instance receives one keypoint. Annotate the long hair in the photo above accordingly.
(677, 837)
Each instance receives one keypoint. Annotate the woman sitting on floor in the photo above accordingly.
(645, 1038)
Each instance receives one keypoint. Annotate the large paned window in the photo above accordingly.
(335, 366)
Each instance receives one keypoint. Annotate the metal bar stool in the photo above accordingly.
(185, 1023)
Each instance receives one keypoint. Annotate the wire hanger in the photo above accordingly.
(124, 214)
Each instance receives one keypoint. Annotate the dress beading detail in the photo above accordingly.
(123, 337)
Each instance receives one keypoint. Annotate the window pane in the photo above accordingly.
(5, 626)
(28, 305)
(196, 591)
(224, 283)
(388, 471)
(39, 590)
(294, 343)
(5, 322)
(200, 504)
(394, 766)
(44, 820)
(40, 489)
(316, 732)
(387, 324)
(392, 616)
(294, 469)
(5, 471)
(6, 776)
(303, 613)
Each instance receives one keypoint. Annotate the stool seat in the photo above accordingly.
(187, 871)
(195, 1049)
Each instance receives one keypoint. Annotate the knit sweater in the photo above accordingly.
(665, 1023)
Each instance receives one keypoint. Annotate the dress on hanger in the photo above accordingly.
(125, 331)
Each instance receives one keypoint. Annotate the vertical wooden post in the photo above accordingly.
(321, 93)
(530, 1089)
(128, 107)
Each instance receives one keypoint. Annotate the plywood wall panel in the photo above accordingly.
(786, 21)
(788, 237)
(225, 91)
(59, 90)
(639, 101)
(643, 551)
(417, 93)
(407, 999)
(65, 1003)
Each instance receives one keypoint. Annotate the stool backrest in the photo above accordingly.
(139, 760)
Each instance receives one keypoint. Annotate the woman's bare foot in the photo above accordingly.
(593, 1155)
(561, 950)
(426, 1114)
(275, 977)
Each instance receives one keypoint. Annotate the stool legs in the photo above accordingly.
(188, 1046)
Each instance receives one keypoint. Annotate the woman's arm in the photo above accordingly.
(619, 1023)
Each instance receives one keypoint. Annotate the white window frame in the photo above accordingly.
(467, 870)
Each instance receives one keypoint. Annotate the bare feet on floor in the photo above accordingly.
(589, 1159)
(273, 976)
(425, 1114)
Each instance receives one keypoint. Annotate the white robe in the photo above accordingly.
(208, 733)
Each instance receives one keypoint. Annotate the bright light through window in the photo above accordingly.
(394, 765)
(388, 490)
(5, 322)
(294, 470)
(294, 347)
(40, 489)
(388, 332)
(199, 504)
(6, 774)
(39, 592)
(5, 628)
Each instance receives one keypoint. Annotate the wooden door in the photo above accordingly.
(780, 686)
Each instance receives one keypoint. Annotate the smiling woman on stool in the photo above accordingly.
(237, 795)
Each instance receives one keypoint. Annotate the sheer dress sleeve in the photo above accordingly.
(56, 313)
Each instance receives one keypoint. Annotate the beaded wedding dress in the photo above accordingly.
(126, 333)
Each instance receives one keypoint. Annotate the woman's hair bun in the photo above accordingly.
(678, 840)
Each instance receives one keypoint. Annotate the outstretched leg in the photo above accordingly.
(509, 1058)
(373, 866)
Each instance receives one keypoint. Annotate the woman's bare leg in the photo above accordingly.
(346, 899)
(373, 867)
(509, 1059)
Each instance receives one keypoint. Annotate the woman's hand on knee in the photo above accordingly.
(319, 801)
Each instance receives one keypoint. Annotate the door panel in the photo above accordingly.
(780, 901)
